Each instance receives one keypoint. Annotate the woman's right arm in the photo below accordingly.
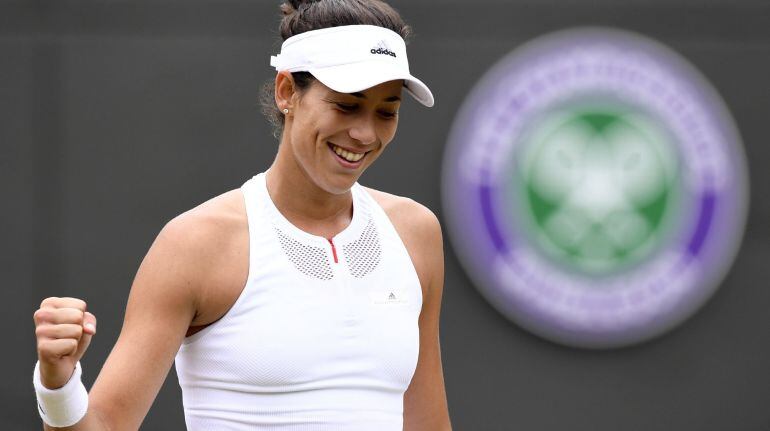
(160, 308)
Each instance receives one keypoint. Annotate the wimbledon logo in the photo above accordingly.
(595, 187)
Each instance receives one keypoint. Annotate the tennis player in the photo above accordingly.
(300, 301)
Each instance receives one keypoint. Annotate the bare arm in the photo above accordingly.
(161, 305)
(425, 405)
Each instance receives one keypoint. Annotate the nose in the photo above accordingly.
(364, 131)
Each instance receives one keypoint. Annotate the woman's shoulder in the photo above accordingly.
(411, 219)
(208, 245)
(218, 217)
(209, 233)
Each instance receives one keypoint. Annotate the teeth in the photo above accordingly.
(347, 155)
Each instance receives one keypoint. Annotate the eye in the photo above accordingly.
(346, 107)
(389, 114)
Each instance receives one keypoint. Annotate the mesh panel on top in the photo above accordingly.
(311, 261)
(364, 254)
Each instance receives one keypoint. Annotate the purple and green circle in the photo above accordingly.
(595, 187)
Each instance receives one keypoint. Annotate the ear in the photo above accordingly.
(284, 90)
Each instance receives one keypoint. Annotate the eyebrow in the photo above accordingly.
(389, 99)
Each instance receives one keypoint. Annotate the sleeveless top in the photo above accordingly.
(323, 337)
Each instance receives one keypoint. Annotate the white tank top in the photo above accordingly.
(324, 336)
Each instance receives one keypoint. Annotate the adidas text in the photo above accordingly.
(383, 51)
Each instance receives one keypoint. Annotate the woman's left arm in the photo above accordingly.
(425, 405)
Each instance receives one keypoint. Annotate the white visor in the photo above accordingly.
(351, 58)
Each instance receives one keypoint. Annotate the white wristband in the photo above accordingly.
(61, 407)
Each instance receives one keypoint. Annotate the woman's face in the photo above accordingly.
(335, 136)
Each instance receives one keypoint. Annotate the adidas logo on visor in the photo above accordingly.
(382, 49)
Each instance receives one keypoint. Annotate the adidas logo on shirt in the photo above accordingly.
(389, 297)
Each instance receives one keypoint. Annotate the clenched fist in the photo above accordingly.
(64, 329)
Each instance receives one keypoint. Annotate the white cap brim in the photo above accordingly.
(350, 59)
(356, 77)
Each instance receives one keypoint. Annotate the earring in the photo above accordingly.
(285, 110)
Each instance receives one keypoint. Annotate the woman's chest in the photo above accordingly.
(286, 330)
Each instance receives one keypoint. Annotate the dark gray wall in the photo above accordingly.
(118, 115)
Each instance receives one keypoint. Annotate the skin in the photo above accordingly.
(197, 266)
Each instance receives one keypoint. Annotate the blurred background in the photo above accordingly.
(119, 115)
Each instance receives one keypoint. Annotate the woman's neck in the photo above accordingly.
(304, 203)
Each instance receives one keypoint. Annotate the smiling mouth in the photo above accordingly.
(346, 155)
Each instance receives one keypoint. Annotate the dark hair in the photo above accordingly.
(300, 16)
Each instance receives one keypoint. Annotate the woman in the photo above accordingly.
(299, 301)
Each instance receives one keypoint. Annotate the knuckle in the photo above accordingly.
(41, 331)
(37, 316)
(48, 302)
(70, 315)
(75, 303)
(79, 304)
(41, 316)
